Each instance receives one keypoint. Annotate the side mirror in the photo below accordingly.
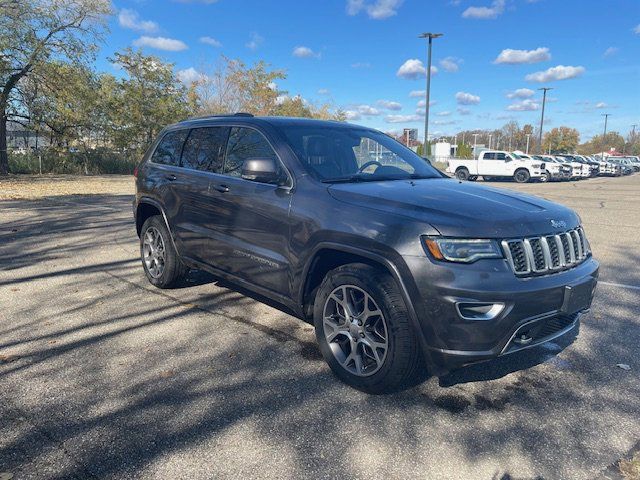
(508, 158)
(264, 170)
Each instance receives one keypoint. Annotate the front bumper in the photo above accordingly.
(535, 306)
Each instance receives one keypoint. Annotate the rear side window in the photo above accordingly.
(489, 156)
(246, 143)
(170, 147)
(204, 149)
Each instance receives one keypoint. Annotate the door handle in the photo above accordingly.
(171, 177)
(221, 188)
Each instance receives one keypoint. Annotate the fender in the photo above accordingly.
(389, 266)
(155, 203)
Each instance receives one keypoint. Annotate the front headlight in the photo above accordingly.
(463, 250)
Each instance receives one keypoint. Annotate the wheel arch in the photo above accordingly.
(148, 207)
(328, 255)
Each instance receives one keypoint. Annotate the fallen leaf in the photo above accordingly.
(167, 373)
(623, 366)
(6, 476)
(8, 359)
(14, 289)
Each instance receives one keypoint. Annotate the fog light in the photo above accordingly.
(479, 311)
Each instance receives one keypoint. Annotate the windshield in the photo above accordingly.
(339, 154)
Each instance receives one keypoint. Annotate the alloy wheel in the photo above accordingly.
(153, 252)
(355, 330)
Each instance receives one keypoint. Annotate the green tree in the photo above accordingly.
(561, 140)
(147, 98)
(31, 33)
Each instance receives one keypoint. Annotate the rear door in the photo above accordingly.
(252, 218)
(202, 160)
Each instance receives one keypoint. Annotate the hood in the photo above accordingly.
(460, 209)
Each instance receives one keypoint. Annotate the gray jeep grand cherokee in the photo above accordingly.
(399, 267)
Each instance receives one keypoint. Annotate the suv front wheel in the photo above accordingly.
(161, 263)
(363, 330)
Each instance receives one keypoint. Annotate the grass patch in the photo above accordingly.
(630, 469)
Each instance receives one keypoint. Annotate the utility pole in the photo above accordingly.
(430, 36)
(544, 101)
(604, 135)
(528, 135)
(490, 135)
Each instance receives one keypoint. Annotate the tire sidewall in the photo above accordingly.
(380, 296)
(517, 177)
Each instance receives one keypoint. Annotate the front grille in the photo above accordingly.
(546, 254)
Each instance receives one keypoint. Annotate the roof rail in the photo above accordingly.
(222, 115)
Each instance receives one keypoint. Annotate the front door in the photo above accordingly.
(252, 218)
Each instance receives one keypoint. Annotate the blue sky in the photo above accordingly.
(364, 55)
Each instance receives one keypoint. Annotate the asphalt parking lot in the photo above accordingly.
(104, 376)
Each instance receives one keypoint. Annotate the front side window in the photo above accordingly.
(489, 156)
(245, 143)
(204, 149)
(336, 153)
(170, 147)
(501, 156)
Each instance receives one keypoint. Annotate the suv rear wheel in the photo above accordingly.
(363, 330)
(161, 263)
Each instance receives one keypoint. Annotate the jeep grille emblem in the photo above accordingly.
(558, 224)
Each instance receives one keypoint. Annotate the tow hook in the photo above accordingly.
(523, 339)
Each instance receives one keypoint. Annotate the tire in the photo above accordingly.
(397, 365)
(473, 178)
(521, 175)
(487, 179)
(462, 174)
(160, 261)
(545, 177)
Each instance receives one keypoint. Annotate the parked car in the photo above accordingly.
(497, 164)
(607, 168)
(579, 169)
(594, 167)
(396, 264)
(555, 170)
(625, 164)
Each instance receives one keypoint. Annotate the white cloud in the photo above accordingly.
(361, 65)
(444, 122)
(560, 72)
(210, 41)
(450, 64)
(255, 41)
(423, 103)
(527, 105)
(352, 115)
(637, 29)
(417, 93)
(131, 20)
(521, 93)
(610, 52)
(485, 13)
(402, 118)
(367, 110)
(161, 43)
(443, 114)
(515, 57)
(464, 98)
(376, 9)
(601, 105)
(190, 75)
(304, 52)
(389, 105)
(323, 91)
(413, 69)
(463, 111)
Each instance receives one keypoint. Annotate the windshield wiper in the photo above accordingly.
(359, 177)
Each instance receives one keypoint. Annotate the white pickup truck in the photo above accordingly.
(497, 163)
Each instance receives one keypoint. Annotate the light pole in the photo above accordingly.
(528, 135)
(430, 36)
(544, 101)
(604, 135)
(475, 141)
(490, 135)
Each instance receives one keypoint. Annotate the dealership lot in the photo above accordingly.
(103, 376)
